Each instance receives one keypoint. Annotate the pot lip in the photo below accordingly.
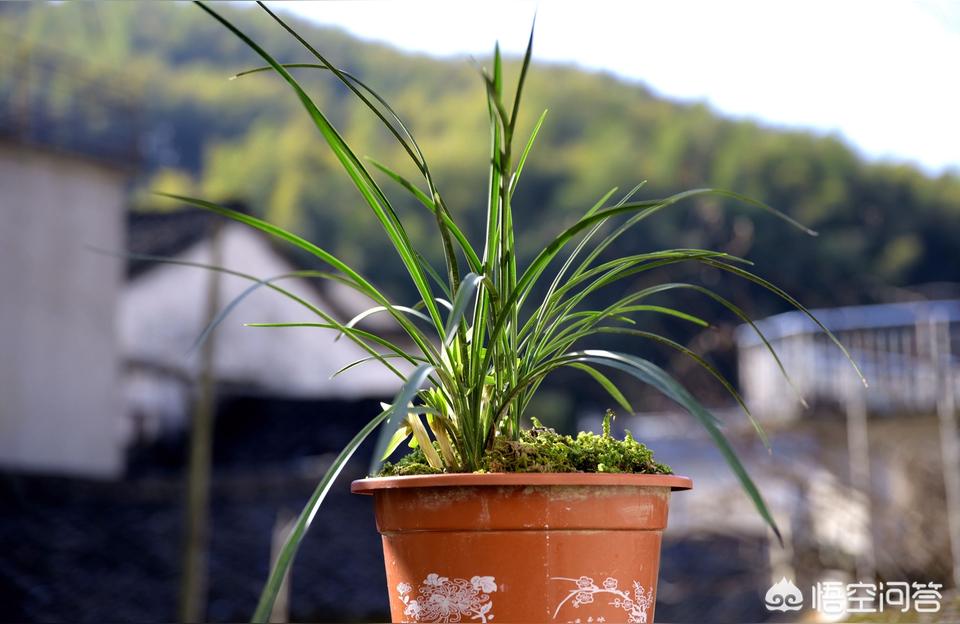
(372, 484)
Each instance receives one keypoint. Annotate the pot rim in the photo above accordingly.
(371, 484)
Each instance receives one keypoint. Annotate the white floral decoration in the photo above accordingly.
(440, 599)
(585, 591)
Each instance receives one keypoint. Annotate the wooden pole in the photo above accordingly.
(941, 360)
(193, 580)
(858, 447)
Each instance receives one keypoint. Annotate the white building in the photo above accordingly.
(93, 362)
(891, 343)
(60, 402)
(162, 313)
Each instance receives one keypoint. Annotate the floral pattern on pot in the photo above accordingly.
(585, 591)
(440, 599)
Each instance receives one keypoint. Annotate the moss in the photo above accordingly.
(541, 449)
(413, 463)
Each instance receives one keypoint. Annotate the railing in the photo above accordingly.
(909, 354)
(903, 349)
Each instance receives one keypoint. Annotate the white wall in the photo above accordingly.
(59, 398)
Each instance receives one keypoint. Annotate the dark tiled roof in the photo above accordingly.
(169, 234)
(164, 234)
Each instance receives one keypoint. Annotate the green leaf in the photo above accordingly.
(703, 363)
(469, 253)
(607, 385)
(361, 178)
(696, 320)
(236, 301)
(468, 287)
(352, 83)
(566, 337)
(527, 55)
(644, 209)
(378, 309)
(282, 234)
(358, 336)
(515, 178)
(756, 279)
(443, 220)
(364, 360)
(656, 377)
(354, 279)
(402, 405)
(399, 436)
(292, 545)
(562, 312)
(410, 187)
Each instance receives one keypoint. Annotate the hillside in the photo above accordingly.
(885, 227)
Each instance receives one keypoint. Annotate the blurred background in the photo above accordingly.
(843, 117)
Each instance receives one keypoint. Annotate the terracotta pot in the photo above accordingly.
(506, 548)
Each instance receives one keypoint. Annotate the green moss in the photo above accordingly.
(413, 463)
(541, 449)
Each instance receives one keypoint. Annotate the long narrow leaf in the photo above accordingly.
(515, 178)
(292, 544)
(364, 360)
(230, 307)
(289, 550)
(469, 253)
(400, 408)
(401, 434)
(355, 335)
(756, 279)
(656, 377)
(703, 363)
(350, 81)
(355, 279)
(606, 384)
(527, 55)
(415, 154)
(353, 166)
(379, 309)
(468, 288)
(556, 344)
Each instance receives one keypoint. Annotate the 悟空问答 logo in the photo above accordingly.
(783, 596)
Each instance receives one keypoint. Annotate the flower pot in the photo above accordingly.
(569, 547)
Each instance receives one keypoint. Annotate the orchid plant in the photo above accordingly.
(487, 331)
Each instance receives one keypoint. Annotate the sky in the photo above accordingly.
(884, 75)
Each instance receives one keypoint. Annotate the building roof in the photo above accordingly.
(848, 318)
(169, 234)
(164, 234)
